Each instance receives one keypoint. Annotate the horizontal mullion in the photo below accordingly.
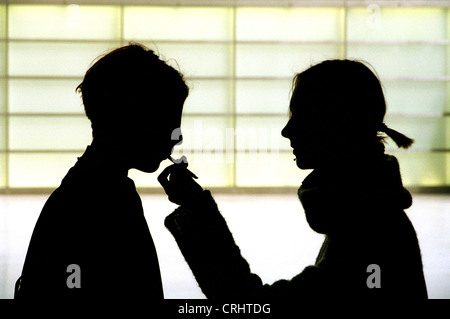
(34, 114)
(80, 77)
(424, 115)
(186, 114)
(399, 43)
(41, 77)
(224, 151)
(199, 114)
(247, 3)
(62, 40)
(42, 151)
(307, 42)
(419, 150)
(231, 189)
(444, 78)
(237, 42)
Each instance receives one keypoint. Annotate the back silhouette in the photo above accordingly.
(354, 196)
(91, 240)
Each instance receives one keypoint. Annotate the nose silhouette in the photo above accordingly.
(285, 131)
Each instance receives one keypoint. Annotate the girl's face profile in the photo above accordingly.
(307, 132)
(299, 130)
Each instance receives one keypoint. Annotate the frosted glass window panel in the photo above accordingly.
(177, 23)
(3, 181)
(427, 132)
(373, 23)
(2, 96)
(2, 21)
(275, 170)
(197, 59)
(447, 160)
(49, 133)
(283, 60)
(209, 96)
(415, 97)
(226, 142)
(54, 58)
(447, 129)
(261, 134)
(2, 133)
(44, 96)
(2, 58)
(213, 169)
(423, 169)
(289, 24)
(39, 169)
(447, 108)
(206, 134)
(64, 22)
(263, 96)
(400, 61)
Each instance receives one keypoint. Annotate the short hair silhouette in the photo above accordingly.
(130, 82)
(347, 95)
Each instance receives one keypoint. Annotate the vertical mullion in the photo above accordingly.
(234, 99)
(121, 22)
(345, 32)
(7, 151)
(447, 106)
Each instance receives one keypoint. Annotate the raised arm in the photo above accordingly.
(208, 246)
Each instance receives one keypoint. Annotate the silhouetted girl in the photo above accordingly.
(354, 196)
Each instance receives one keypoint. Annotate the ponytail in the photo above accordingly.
(401, 140)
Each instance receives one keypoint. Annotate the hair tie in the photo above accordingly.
(401, 140)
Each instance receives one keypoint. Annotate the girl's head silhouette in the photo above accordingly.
(336, 111)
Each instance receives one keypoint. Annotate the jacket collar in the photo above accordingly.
(344, 198)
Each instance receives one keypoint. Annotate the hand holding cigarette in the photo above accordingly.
(182, 161)
(178, 182)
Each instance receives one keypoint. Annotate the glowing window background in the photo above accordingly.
(239, 62)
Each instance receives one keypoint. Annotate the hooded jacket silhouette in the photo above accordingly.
(94, 220)
(91, 240)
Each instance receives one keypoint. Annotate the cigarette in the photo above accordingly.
(184, 161)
